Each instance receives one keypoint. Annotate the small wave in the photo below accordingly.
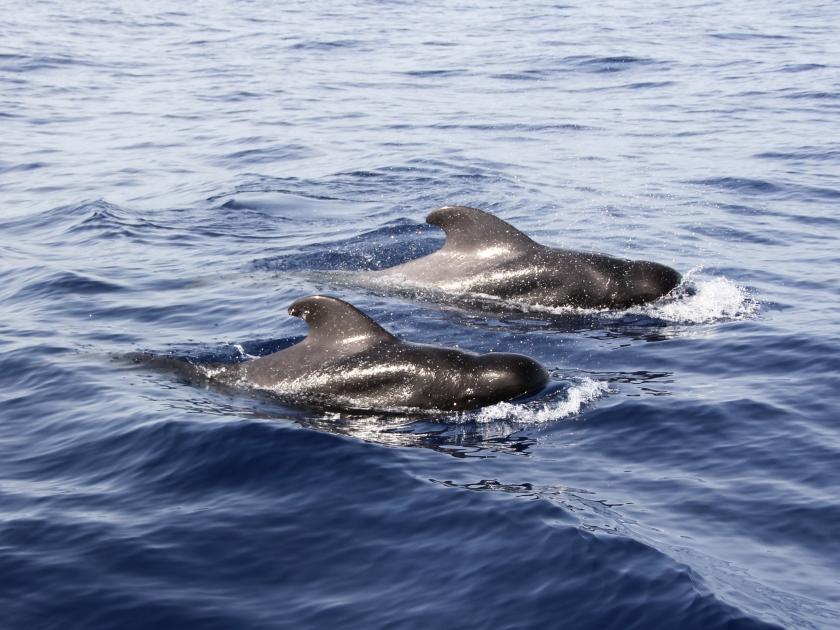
(434, 73)
(527, 75)
(611, 64)
(314, 45)
(577, 397)
(650, 84)
(62, 284)
(11, 167)
(266, 155)
(742, 184)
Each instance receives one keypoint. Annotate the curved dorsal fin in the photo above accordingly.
(469, 229)
(333, 322)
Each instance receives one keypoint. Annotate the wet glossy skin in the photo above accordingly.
(348, 360)
(483, 254)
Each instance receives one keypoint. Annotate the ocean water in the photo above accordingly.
(174, 175)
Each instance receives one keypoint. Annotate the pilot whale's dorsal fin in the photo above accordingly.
(335, 323)
(471, 230)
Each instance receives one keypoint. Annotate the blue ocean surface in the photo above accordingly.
(174, 175)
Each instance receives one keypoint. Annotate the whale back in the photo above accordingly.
(334, 323)
(469, 230)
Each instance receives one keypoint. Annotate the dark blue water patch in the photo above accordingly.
(796, 353)
(813, 95)
(26, 63)
(165, 314)
(325, 46)
(773, 215)
(740, 209)
(268, 155)
(729, 234)
(655, 382)
(148, 145)
(8, 167)
(237, 96)
(249, 218)
(464, 440)
(749, 36)
(419, 175)
(229, 352)
(741, 184)
(518, 127)
(525, 75)
(815, 153)
(809, 193)
(698, 429)
(23, 370)
(38, 376)
(400, 241)
(446, 44)
(599, 65)
(365, 173)
(258, 195)
(649, 85)
(423, 170)
(94, 220)
(618, 63)
(238, 203)
(340, 536)
(754, 94)
(600, 325)
(807, 282)
(58, 121)
(53, 220)
(62, 285)
(755, 276)
(826, 222)
(735, 432)
(803, 67)
(435, 73)
(630, 327)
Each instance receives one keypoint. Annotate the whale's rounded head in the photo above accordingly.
(649, 281)
(503, 376)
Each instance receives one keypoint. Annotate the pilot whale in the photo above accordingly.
(349, 361)
(485, 255)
